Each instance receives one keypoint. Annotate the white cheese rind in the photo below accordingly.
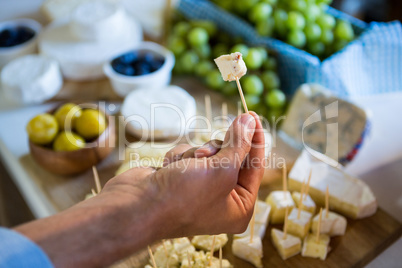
(307, 203)
(315, 249)
(251, 252)
(288, 247)
(231, 66)
(333, 225)
(299, 226)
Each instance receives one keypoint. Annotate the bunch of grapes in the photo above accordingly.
(195, 45)
(301, 23)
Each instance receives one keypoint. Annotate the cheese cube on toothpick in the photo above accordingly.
(279, 201)
(248, 251)
(231, 66)
(307, 203)
(261, 216)
(299, 225)
(287, 247)
(205, 242)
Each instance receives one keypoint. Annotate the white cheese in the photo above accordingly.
(332, 225)
(261, 217)
(315, 249)
(205, 242)
(231, 66)
(279, 201)
(286, 247)
(307, 203)
(251, 252)
(299, 226)
(31, 79)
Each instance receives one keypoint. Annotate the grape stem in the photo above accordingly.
(241, 95)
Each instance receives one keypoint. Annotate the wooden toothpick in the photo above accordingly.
(212, 250)
(224, 110)
(241, 95)
(252, 222)
(326, 202)
(300, 205)
(284, 181)
(208, 108)
(93, 192)
(285, 226)
(97, 181)
(152, 257)
(220, 257)
(165, 249)
(308, 184)
(319, 227)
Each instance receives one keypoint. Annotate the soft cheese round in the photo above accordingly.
(158, 113)
(31, 79)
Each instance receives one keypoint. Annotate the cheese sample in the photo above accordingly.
(231, 66)
(205, 242)
(31, 79)
(251, 252)
(332, 225)
(279, 201)
(259, 230)
(349, 196)
(299, 227)
(165, 255)
(158, 113)
(288, 247)
(182, 247)
(314, 249)
(307, 203)
(261, 217)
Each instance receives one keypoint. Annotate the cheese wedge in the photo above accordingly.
(205, 242)
(314, 249)
(279, 201)
(307, 204)
(348, 195)
(299, 227)
(251, 252)
(332, 225)
(286, 247)
(231, 66)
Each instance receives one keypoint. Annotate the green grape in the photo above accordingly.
(281, 18)
(296, 38)
(203, 67)
(253, 59)
(265, 28)
(275, 99)
(263, 53)
(219, 50)
(230, 88)
(299, 5)
(252, 85)
(312, 12)
(188, 61)
(327, 37)
(252, 101)
(270, 64)
(225, 4)
(316, 48)
(243, 6)
(260, 12)
(203, 51)
(177, 45)
(326, 21)
(198, 36)
(214, 79)
(296, 20)
(271, 2)
(344, 30)
(340, 44)
(181, 29)
(242, 48)
(312, 32)
(270, 80)
(178, 68)
(206, 25)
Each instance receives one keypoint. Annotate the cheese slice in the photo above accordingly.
(279, 201)
(348, 195)
(205, 242)
(231, 66)
(316, 249)
(288, 247)
(251, 252)
(299, 226)
(332, 225)
(307, 203)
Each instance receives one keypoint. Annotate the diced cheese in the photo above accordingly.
(205, 242)
(182, 247)
(307, 203)
(314, 249)
(165, 255)
(332, 225)
(279, 201)
(261, 217)
(348, 195)
(299, 227)
(286, 247)
(251, 252)
(216, 264)
(231, 66)
(259, 230)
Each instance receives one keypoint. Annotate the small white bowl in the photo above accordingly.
(123, 84)
(7, 54)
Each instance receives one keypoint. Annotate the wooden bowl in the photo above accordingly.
(75, 162)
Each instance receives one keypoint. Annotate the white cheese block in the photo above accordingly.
(307, 202)
(31, 79)
(279, 201)
(231, 66)
(251, 252)
(348, 195)
(299, 226)
(205, 242)
(261, 217)
(286, 247)
(315, 249)
(332, 225)
(182, 247)
(165, 256)
(158, 113)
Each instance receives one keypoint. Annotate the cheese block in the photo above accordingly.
(261, 217)
(332, 225)
(182, 247)
(288, 247)
(31, 79)
(299, 226)
(231, 66)
(348, 195)
(259, 230)
(251, 252)
(279, 201)
(158, 113)
(205, 242)
(307, 203)
(165, 255)
(315, 249)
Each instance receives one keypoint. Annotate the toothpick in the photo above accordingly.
(241, 95)
(164, 247)
(189, 259)
(239, 112)
(284, 181)
(220, 257)
(326, 202)
(285, 226)
(97, 181)
(308, 184)
(152, 257)
(319, 227)
(300, 204)
(212, 250)
(252, 222)
(208, 108)
(224, 110)
(93, 192)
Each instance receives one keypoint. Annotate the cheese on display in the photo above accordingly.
(299, 226)
(316, 249)
(279, 201)
(307, 203)
(31, 79)
(287, 247)
(251, 252)
(205, 242)
(332, 225)
(261, 217)
(231, 66)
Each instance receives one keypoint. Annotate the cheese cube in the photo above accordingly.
(286, 247)
(204, 242)
(231, 66)
(216, 264)
(251, 252)
(315, 249)
(182, 247)
(279, 200)
(299, 227)
(307, 204)
(332, 225)
(259, 230)
(166, 257)
(261, 216)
